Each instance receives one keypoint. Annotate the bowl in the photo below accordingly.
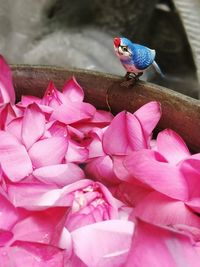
(179, 112)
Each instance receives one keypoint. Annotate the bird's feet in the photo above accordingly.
(131, 78)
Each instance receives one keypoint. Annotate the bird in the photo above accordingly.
(135, 58)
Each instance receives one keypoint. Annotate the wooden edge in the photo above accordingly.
(179, 112)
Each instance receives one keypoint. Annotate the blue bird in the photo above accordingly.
(134, 57)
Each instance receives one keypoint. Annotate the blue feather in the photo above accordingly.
(142, 57)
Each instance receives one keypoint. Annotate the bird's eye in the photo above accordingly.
(124, 48)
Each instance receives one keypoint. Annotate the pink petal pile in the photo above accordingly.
(80, 187)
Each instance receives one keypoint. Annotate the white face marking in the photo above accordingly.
(123, 52)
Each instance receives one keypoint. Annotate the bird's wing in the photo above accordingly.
(143, 57)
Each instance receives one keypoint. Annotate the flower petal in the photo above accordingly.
(5, 237)
(8, 214)
(76, 153)
(7, 114)
(23, 253)
(150, 168)
(172, 146)
(154, 246)
(15, 128)
(27, 195)
(33, 125)
(149, 115)
(72, 112)
(6, 87)
(41, 226)
(26, 100)
(123, 134)
(73, 91)
(49, 151)
(14, 158)
(61, 174)
(115, 139)
(190, 168)
(159, 209)
(51, 96)
(114, 241)
(130, 194)
(102, 170)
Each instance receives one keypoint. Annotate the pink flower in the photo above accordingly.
(114, 242)
(168, 183)
(144, 213)
(87, 201)
(32, 237)
(126, 133)
(156, 246)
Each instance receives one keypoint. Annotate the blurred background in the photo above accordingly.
(79, 34)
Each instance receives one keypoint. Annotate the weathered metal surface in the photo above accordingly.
(179, 112)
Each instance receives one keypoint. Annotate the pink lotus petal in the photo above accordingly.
(123, 134)
(136, 137)
(76, 153)
(72, 112)
(101, 169)
(31, 254)
(61, 174)
(95, 147)
(7, 114)
(57, 128)
(6, 87)
(172, 146)
(33, 125)
(115, 139)
(74, 261)
(119, 169)
(73, 91)
(41, 226)
(51, 96)
(8, 214)
(130, 194)
(150, 168)
(190, 168)
(26, 100)
(114, 241)
(27, 195)
(159, 209)
(49, 151)
(14, 158)
(8, 139)
(75, 134)
(15, 128)
(5, 237)
(194, 204)
(154, 246)
(102, 117)
(149, 115)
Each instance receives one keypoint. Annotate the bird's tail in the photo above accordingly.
(157, 68)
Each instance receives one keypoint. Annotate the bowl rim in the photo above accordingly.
(179, 112)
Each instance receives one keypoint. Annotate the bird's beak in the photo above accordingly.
(117, 42)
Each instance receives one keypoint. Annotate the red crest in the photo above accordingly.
(117, 41)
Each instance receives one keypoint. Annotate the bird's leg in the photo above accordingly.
(127, 76)
(131, 78)
(137, 76)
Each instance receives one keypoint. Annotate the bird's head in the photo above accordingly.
(122, 48)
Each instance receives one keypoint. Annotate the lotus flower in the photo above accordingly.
(140, 206)
(168, 183)
(126, 133)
